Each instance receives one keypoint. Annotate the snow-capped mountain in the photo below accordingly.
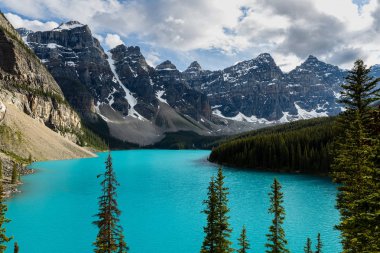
(119, 86)
(257, 90)
(139, 103)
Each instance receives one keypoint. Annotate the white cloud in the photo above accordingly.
(112, 40)
(33, 25)
(153, 58)
(289, 30)
(98, 37)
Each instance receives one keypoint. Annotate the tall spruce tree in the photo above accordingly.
(223, 227)
(209, 242)
(356, 164)
(276, 237)
(217, 229)
(307, 248)
(3, 220)
(319, 244)
(243, 241)
(109, 238)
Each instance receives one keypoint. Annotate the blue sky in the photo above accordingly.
(219, 33)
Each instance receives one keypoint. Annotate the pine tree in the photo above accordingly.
(276, 237)
(355, 165)
(16, 248)
(319, 244)
(14, 174)
(360, 89)
(223, 244)
(3, 220)
(209, 242)
(109, 238)
(243, 241)
(217, 229)
(307, 248)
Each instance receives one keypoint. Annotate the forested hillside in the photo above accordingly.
(301, 146)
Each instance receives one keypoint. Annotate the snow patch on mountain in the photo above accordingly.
(241, 117)
(285, 118)
(68, 26)
(304, 114)
(159, 95)
(132, 101)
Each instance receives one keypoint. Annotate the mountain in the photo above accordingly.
(258, 91)
(35, 119)
(119, 95)
(118, 89)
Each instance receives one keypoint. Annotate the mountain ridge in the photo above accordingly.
(156, 99)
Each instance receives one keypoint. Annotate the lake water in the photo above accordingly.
(161, 196)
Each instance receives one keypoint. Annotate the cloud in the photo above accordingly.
(345, 56)
(289, 30)
(33, 25)
(112, 40)
(153, 58)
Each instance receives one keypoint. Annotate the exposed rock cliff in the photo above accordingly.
(27, 84)
(36, 122)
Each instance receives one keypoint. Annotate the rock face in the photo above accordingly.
(31, 106)
(119, 86)
(258, 89)
(79, 65)
(27, 84)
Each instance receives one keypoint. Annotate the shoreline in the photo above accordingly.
(9, 189)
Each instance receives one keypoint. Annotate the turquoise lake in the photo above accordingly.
(160, 196)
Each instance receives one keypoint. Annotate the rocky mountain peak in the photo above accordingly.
(166, 66)
(132, 59)
(264, 57)
(314, 65)
(132, 53)
(312, 58)
(194, 67)
(69, 25)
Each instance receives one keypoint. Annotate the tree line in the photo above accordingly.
(303, 146)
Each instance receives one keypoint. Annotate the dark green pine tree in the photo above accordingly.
(14, 179)
(223, 244)
(3, 220)
(307, 248)
(243, 241)
(109, 239)
(319, 244)
(360, 89)
(217, 229)
(356, 164)
(209, 242)
(276, 237)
